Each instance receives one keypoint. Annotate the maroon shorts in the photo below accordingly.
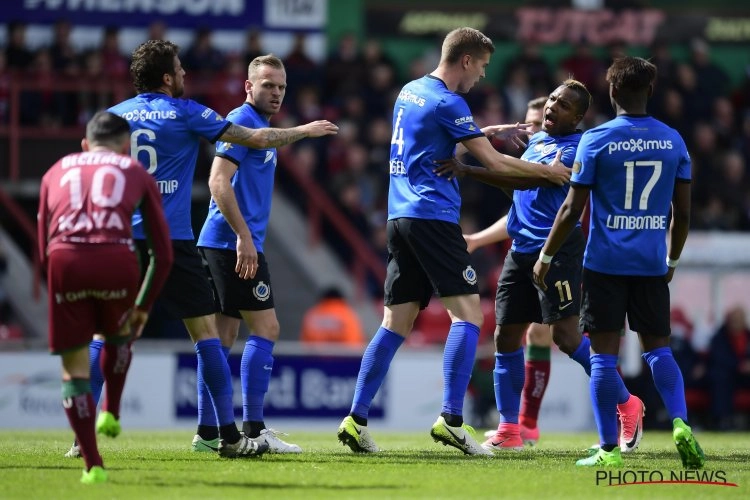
(92, 289)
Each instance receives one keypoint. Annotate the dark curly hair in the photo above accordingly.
(631, 73)
(151, 61)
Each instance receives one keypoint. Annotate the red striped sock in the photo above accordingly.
(115, 363)
(81, 412)
(537, 377)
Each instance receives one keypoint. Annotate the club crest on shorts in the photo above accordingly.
(470, 275)
(261, 291)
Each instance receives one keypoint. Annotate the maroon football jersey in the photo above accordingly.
(89, 198)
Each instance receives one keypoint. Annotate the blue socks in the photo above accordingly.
(95, 367)
(458, 361)
(206, 412)
(375, 362)
(668, 381)
(582, 356)
(509, 375)
(213, 367)
(255, 375)
(604, 394)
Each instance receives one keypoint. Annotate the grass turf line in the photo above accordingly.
(159, 465)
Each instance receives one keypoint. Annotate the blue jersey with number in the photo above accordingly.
(428, 121)
(533, 211)
(631, 164)
(252, 184)
(165, 136)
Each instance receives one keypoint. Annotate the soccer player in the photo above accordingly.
(518, 302)
(538, 335)
(531, 216)
(231, 242)
(86, 201)
(635, 169)
(165, 133)
(427, 252)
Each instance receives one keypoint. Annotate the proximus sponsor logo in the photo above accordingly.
(141, 115)
(638, 145)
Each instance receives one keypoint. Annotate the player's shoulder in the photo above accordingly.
(246, 115)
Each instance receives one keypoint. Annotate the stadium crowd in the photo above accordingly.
(356, 84)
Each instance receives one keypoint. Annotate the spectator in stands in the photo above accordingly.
(711, 81)
(231, 81)
(114, 63)
(202, 55)
(531, 60)
(584, 66)
(344, 71)
(157, 30)
(17, 54)
(300, 68)
(253, 46)
(64, 56)
(728, 366)
(517, 92)
(91, 101)
(66, 63)
(332, 320)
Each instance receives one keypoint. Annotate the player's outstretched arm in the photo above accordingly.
(262, 138)
(556, 173)
(492, 234)
(512, 132)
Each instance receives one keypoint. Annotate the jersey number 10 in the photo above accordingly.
(98, 197)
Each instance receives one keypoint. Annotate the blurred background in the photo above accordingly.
(62, 60)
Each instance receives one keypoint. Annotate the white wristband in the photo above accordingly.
(672, 262)
(544, 258)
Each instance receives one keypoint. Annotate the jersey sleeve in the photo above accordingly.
(584, 165)
(205, 122)
(159, 243)
(234, 152)
(684, 168)
(455, 117)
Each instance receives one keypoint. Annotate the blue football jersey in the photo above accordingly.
(533, 211)
(165, 136)
(631, 164)
(428, 121)
(252, 184)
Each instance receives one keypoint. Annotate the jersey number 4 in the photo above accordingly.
(398, 133)
(629, 175)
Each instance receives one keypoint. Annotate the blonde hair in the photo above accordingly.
(463, 41)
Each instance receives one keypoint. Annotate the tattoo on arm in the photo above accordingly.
(262, 137)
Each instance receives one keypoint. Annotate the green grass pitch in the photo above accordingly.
(159, 465)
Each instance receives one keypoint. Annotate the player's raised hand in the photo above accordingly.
(320, 128)
(247, 258)
(559, 173)
(450, 168)
(515, 132)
